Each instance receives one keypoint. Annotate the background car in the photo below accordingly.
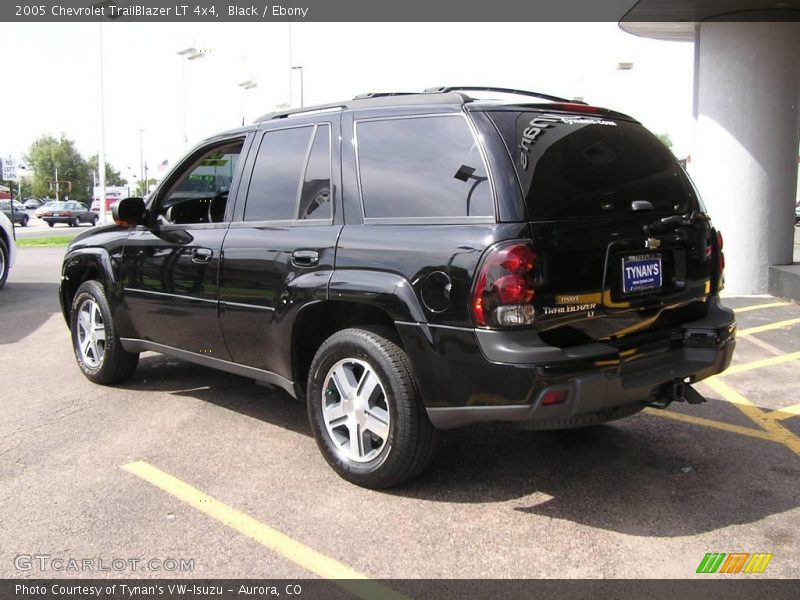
(797, 214)
(20, 214)
(72, 213)
(43, 208)
(33, 203)
(8, 249)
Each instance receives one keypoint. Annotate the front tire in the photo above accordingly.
(365, 411)
(4, 266)
(50, 223)
(24, 221)
(98, 350)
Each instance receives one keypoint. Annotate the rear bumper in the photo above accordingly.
(518, 370)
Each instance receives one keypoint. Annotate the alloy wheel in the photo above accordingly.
(355, 409)
(91, 334)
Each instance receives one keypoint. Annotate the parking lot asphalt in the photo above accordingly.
(183, 462)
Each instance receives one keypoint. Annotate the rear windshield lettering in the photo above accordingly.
(529, 136)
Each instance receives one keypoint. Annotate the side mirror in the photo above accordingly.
(129, 211)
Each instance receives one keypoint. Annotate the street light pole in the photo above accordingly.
(300, 68)
(141, 158)
(244, 86)
(186, 54)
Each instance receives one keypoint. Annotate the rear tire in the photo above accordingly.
(4, 266)
(50, 223)
(98, 350)
(25, 221)
(374, 439)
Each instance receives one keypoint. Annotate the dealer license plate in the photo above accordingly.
(641, 273)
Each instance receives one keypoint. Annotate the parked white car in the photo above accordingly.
(8, 249)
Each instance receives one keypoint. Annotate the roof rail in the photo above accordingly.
(474, 88)
(298, 112)
(437, 95)
(381, 95)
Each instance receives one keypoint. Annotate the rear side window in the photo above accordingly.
(315, 196)
(279, 165)
(591, 166)
(422, 167)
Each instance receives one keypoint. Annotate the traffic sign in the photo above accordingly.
(9, 169)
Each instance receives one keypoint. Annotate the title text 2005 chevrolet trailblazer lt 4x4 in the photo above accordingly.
(406, 263)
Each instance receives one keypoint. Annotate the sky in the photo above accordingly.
(54, 86)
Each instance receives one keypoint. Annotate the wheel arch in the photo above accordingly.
(81, 265)
(356, 298)
(317, 321)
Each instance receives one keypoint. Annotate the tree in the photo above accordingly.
(665, 139)
(140, 188)
(113, 177)
(47, 153)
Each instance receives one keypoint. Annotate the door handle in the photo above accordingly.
(305, 258)
(201, 255)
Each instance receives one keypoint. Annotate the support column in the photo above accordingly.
(748, 133)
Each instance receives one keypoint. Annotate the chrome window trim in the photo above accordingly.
(168, 295)
(244, 305)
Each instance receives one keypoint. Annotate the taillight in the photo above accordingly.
(554, 397)
(720, 262)
(504, 288)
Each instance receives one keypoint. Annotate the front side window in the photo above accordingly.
(422, 167)
(200, 193)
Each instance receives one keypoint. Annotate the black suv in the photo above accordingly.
(406, 263)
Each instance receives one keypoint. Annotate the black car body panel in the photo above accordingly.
(256, 294)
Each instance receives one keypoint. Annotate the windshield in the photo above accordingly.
(577, 166)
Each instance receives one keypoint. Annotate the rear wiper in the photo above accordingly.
(661, 225)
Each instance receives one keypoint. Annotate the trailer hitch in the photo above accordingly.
(676, 391)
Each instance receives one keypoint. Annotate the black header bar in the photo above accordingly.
(157, 11)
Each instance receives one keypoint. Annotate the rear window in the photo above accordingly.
(591, 166)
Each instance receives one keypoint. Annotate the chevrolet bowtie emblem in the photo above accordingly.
(652, 243)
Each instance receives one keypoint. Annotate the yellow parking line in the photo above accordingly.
(764, 362)
(761, 306)
(777, 431)
(784, 413)
(768, 327)
(756, 433)
(280, 543)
